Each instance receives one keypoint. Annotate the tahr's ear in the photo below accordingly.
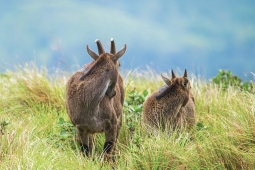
(92, 53)
(173, 75)
(185, 81)
(185, 73)
(166, 80)
(120, 53)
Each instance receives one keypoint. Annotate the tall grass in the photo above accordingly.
(36, 133)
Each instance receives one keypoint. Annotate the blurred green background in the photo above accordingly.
(201, 36)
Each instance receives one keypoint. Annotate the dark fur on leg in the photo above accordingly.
(107, 146)
(84, 149)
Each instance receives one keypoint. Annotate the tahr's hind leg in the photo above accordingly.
(117, 136)
(83, 137)
(110, 139)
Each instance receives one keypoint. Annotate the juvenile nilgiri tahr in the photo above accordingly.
(94, 99)
(172, 106)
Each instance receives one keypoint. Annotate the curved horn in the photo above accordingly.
(99, 47)
(113, 49)
(92, 53)
(173, 75)
(185, 73)
(166, 80)
(120, 53)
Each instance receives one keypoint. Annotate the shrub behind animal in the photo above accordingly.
(94, 99)
(172, 106)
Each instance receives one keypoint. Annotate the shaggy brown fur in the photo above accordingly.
(94, 99)
(172, 106)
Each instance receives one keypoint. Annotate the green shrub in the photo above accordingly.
(133, 105)
(227, 79)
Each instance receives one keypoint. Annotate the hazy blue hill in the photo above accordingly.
(202, 36)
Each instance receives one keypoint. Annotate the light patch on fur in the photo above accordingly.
(83, 68)
(105, 89)
(162, 88)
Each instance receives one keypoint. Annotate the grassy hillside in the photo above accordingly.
(35, 132)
